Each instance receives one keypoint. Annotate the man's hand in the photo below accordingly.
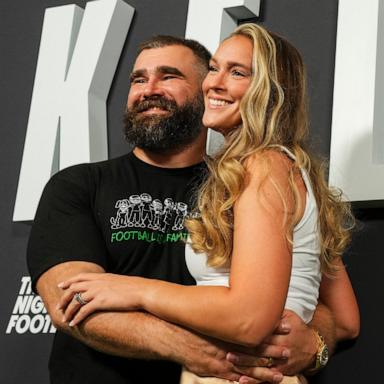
(211, 359)
(205, 357)
(292, 348)
(299, 339)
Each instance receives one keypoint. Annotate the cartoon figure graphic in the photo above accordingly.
(135, 211)
(146, 212)
(120, 221)
(168, 214)
(181, 212)
(157, 212)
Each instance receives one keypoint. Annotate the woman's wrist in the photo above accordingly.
(135, 292)
(145, 292)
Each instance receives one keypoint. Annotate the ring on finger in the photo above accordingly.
(269, 362)
(79, 299)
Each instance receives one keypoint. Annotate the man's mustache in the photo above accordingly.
(154, 102)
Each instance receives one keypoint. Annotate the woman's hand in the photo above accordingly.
(99, 291)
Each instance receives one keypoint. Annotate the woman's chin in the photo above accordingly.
(212, 124)
(220, 125)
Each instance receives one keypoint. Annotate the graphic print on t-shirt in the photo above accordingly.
(142, 211)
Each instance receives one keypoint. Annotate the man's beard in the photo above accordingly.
(172, 131)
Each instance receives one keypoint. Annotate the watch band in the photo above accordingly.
(322, 354)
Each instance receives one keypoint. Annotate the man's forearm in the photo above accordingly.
(324, 323)
(130, 334)
(142, 336)
(127, 334)
(337, 294)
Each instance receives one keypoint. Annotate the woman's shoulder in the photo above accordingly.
(272, 173)
(269, 162)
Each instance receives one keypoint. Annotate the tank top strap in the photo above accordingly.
(286, 150)
(304, 173)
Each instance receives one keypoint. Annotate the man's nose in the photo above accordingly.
(152, 88)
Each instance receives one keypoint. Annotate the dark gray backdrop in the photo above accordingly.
(309, 24)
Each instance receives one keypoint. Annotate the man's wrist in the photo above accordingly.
(321, 355)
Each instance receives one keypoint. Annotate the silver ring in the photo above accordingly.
(269, 362)
(79, 299)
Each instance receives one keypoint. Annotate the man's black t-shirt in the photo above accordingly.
(128, 217)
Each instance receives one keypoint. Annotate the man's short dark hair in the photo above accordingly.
(201, 53)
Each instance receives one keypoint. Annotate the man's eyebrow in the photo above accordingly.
(137, 73)
(165, 69)
(162, 69)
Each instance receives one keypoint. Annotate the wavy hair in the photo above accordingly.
(274, 113)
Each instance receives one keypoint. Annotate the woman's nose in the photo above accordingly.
(215, 80)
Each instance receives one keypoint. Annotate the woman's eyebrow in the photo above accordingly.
(231, 64)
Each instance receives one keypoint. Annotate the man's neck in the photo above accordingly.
(182, 159)
(190, 155)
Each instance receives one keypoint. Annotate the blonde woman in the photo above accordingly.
(268, 225)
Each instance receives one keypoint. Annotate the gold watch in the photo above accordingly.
(322, 354)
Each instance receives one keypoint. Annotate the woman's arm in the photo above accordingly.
(249, 309)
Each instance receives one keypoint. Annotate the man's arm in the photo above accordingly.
(337, 294)
(336, 318)
(136, 334)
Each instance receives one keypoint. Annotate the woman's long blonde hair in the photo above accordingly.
(274, 113)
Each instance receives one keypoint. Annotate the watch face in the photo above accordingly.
(324, 356)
